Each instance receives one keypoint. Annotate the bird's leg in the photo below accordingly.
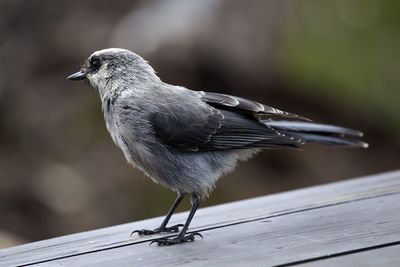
(163, 227)
(182, 236)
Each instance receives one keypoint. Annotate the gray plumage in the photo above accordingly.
(184, 139)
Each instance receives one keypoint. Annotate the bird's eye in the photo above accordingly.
(95, 63)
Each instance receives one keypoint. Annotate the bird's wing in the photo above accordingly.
(244, 105)
(215, 130)
(183, 129)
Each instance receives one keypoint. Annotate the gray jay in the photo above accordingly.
(184, 139)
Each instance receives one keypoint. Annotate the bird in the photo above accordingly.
(184, 139)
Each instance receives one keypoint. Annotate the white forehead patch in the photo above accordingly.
(109, 50)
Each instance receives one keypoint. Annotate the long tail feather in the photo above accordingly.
(318, 133)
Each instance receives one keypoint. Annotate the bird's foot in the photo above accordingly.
(172, 229)
(168, 241)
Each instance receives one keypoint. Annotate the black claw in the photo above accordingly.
(198, 234)
(154, 241)
(143, 232)
(172, 229)
(168, 241)
(134, 232)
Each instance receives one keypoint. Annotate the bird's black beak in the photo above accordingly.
(80, 75)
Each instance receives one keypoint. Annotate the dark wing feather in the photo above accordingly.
(239, 132)
(245, 105)
(180, 131)
(319, 133)
(219, 130)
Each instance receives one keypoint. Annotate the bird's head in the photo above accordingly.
(106, 67)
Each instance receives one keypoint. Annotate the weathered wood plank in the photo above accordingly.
(382, 257)
(212, 217)
(273, 242)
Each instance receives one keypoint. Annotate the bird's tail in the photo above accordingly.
(309, 132)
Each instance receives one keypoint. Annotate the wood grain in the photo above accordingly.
(383, 257)
(302, 224)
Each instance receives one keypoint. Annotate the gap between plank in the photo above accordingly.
(110, 246)
(335, 255)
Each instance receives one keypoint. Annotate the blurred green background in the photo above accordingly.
(333, 61)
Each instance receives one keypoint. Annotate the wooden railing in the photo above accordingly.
(350, 223)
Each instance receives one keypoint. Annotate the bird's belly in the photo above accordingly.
(180, 171)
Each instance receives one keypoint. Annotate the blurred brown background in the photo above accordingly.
(333, 61)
